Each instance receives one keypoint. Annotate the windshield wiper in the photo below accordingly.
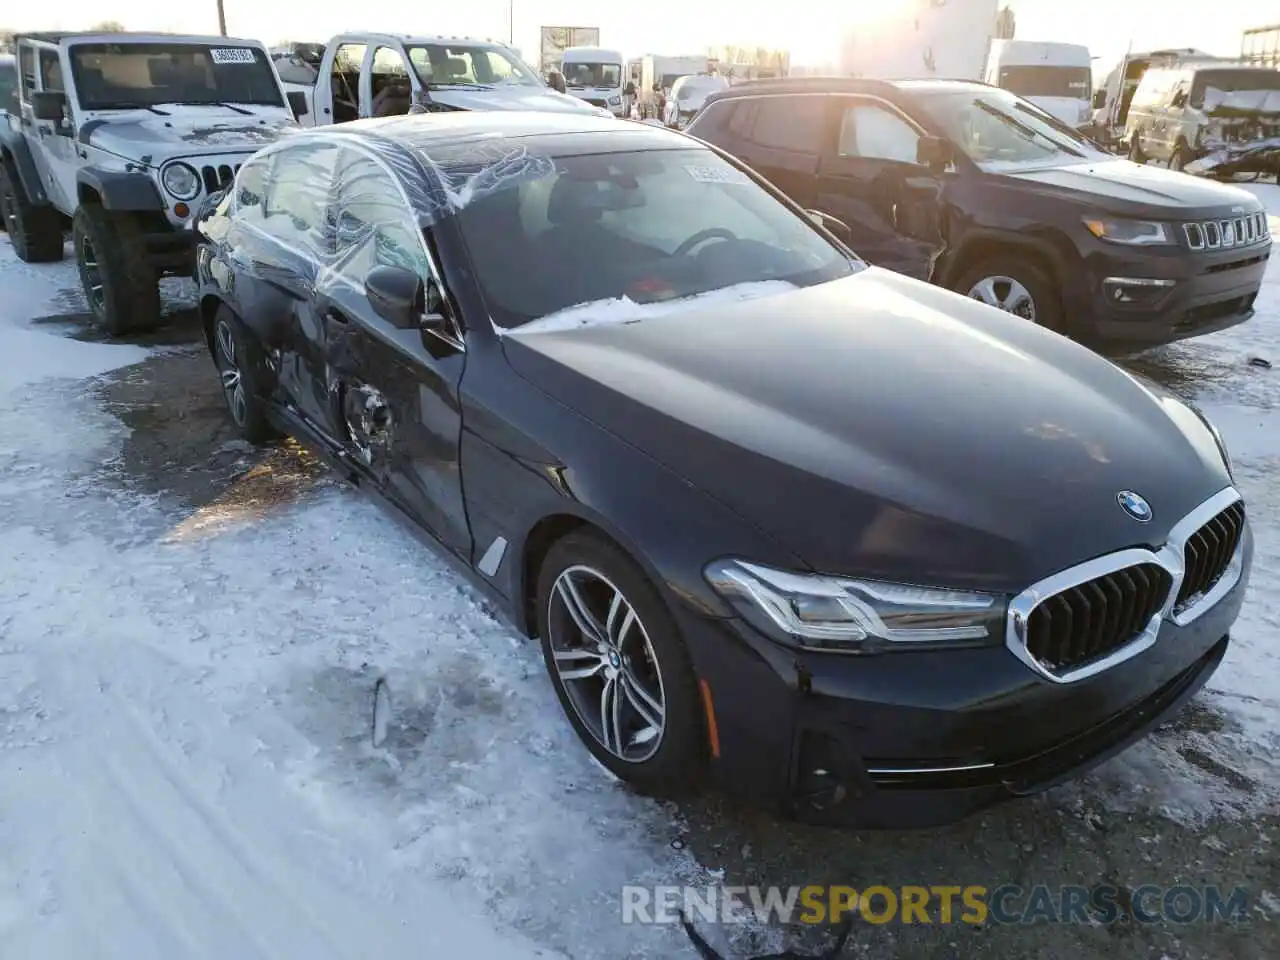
(459, 83)
(1029, 132)
(212, 103)
(128, 106)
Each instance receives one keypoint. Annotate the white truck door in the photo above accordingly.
(338, 89)
(53, 148)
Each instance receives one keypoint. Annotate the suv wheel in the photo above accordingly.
(619, 665)
(1014, 284)
(1135, 150)
(119, 282)
(35, 232)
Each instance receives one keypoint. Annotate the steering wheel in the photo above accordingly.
(701, 237)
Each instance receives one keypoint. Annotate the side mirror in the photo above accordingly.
(297, 103)
(555, 80)
(1099, 99)
(397, 296)
(836, 227)
(49, 105)
(936, 153)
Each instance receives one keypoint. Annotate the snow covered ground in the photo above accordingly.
(186, 767)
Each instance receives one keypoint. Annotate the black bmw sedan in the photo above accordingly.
(841, 540)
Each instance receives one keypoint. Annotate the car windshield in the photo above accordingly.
(462, 65)
(1232, 81)
(592, 74)
(1044, 81)
(995, 129)
(637, 228)
(121, 76)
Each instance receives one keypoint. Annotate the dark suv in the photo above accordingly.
(975, 189)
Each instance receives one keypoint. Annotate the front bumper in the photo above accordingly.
(1180, 293)
(917, 739)
(1262, 156)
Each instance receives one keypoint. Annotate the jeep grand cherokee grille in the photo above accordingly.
(1227, 234)
(1208, 553)
(1095, 618)
(215, 178)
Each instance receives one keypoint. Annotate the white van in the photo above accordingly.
(1056, 77)
(594, 74)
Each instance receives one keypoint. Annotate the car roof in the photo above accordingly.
(393, 38)
(775, 86)
(447, 160)
(89, 36)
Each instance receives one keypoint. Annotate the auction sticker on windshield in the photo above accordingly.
(717, 175)
(232, 55)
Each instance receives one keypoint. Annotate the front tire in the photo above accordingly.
(1015, 284)
(1135, 150)
(119, 282)
(242, 372)
(35, 232)
(619, 665)
(1180, 157)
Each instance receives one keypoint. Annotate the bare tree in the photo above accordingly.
(107, 26)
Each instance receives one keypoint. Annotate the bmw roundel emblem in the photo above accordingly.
(1134, 505)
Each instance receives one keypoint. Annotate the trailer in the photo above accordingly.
(922, 38)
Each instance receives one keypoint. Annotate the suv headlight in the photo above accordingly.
(855, 616)
(615, 101)
(181, 180)
(1138, 233)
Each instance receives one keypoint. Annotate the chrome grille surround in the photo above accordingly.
(1171, 557)
(1229, 233)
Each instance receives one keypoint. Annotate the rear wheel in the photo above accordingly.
(1180, 157)
(119, 282)
(35, 232)
(1135, 150)
(1015, 284)
(619, 665)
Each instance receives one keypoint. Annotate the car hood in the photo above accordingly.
(1121, 186)
(198, 134)
(512, 98)
(882, 427)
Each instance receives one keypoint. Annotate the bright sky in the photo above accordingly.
(809, 28)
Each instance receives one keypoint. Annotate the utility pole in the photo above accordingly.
(222, 19)
(511, 21)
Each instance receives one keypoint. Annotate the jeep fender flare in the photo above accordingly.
(15, 149)
(118, 191)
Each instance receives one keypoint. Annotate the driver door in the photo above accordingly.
(41, 71)
(869, 178)
(396, 391)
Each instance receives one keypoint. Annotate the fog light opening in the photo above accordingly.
(820, 780)
(1129, 291)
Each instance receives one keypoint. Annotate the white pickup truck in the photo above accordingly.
(383, 75)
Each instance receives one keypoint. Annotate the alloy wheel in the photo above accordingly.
(1007, 294)
(92, 275)
(9, 212)
(606, 664)
(229, 372)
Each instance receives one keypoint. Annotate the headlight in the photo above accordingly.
(1138, 233)
(615, 101)
(181, 181)
(854, 616)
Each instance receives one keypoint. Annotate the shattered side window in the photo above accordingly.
(374, 225)
(251, 190)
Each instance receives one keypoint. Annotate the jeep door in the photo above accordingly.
(780, 137)
(397, 389)
(52, 142)
(869, 178)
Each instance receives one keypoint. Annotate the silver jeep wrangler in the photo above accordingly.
(125, 135)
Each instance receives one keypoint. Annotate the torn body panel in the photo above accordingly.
(1224, 157)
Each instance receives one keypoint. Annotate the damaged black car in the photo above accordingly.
(835, 539)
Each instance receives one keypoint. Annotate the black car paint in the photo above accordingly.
(932, 224)
(682, 449)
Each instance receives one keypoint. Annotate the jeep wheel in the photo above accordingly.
(1015, 284)
(1180, 157)
(1135, 150)
(119, 282)
(35, 232)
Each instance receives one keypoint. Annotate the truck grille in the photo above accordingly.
(215, 178)
(1095, 618)
(1226, 234)
(1208, 553)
